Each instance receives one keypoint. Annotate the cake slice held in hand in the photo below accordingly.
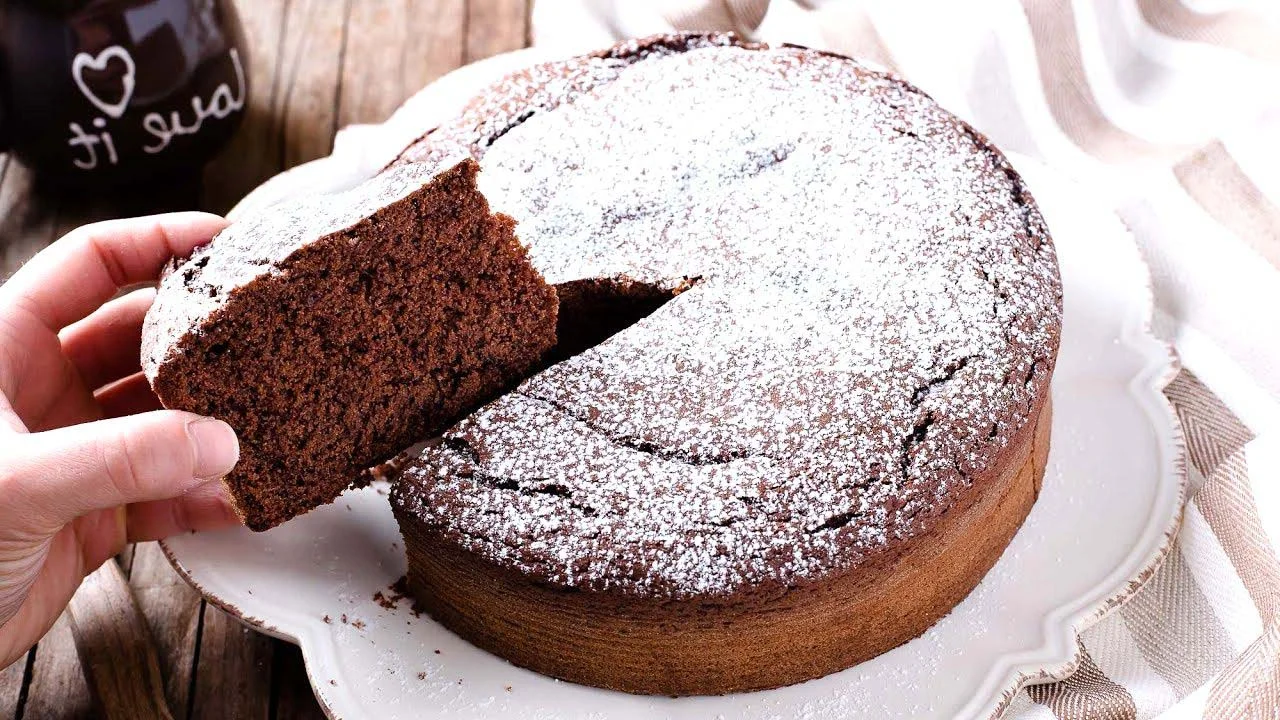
(333, 331)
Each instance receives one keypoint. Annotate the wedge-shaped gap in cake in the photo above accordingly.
(594, 310)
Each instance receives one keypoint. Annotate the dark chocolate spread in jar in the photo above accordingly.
(103, 92)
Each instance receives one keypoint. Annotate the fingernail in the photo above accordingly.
(216, 447)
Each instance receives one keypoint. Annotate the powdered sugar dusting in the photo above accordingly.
(875, 314)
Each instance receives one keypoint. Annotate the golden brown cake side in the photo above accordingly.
(648, 645)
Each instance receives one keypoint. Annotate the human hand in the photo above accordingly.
(88, 461)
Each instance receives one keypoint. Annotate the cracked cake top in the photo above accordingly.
(872, 314)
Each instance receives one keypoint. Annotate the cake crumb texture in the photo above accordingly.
(333, 331)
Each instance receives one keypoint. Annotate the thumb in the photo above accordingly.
(59, 475)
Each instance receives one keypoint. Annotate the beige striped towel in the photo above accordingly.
(1170, 110)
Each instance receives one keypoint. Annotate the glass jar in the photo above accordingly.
(104, 92)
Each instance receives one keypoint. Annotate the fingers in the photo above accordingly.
(129, 396)
(203, 508)
(104, 346)
(75, 275)
(53, 477)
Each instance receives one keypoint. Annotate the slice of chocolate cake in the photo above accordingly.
(333, 331)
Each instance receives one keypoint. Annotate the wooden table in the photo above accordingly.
(316, 65)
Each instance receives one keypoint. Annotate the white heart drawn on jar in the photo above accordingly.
(85, 60)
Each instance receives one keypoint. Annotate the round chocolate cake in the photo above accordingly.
(807, 325)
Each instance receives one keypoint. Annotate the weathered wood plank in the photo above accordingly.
(116, 652)
(58, 689)
(26, 220)
(311, 57)
(172, 611)
(233, 670)
(394, 49)
(12, 679)
(294, 698)
(496, 26)
(254, 153)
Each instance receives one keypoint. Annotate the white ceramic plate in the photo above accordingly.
(1107, 514)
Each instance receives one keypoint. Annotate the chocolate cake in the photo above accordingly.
(332, 332)
(808, 322)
